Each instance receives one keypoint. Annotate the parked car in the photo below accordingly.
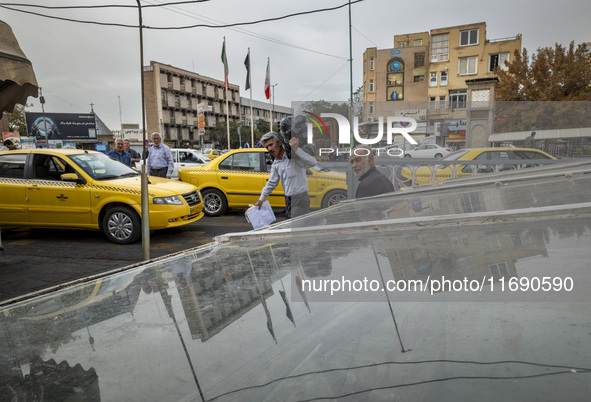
(214, 153)
(184, 157)
(87, 189)
(494, 157)
(235, 180)
(427, 151)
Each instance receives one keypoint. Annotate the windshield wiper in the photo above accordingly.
(108, 177)
(130, 174)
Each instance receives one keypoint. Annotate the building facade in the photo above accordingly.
(183, 105)
(262, 111)
(425, 74)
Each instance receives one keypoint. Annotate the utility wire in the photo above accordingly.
(323, 82)
(187, 26)
(101, 6)
(194, 15)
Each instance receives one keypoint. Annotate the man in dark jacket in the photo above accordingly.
(371, 181)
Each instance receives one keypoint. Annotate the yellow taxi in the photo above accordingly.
(235, 180)
(214, 153)
(87, 189)
(490, 160)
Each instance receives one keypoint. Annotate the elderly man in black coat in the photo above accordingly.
(371, 181)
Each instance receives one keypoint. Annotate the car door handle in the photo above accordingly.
(224, 177)
(33, 187)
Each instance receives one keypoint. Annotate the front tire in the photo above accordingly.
(438, 155)
(214, 202)
(407, 156)
(333, 197)
(122, 225)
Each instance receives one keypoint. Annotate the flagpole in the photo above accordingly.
(228, 118)
(226, 86)
(270, 98)
(251, 113)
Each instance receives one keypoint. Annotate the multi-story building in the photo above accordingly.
(262, 111)
(175, 98)
(427, 72)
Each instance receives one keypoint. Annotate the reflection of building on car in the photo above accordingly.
(235, 180)
(493, 160)
(86, 189)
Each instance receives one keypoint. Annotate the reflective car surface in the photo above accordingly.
(493, 160)
(477, 292)
(87, 189)
(236, 179)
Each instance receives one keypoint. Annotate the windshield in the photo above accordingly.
(101, 167)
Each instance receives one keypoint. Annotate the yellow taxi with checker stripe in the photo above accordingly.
(235, 180)
(87, 189)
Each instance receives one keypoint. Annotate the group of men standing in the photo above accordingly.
(159, 162)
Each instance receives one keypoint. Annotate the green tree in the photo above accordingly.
(553, 74)
(219, 134)
(16, 120)
(549, 90)
(262, 126)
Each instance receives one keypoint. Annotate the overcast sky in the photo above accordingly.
(78, 64)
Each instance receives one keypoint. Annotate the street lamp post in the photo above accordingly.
(145, 199)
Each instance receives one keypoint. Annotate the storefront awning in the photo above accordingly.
(17, 78)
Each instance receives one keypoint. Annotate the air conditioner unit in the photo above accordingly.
(369, 119)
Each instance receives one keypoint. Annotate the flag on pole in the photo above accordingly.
(268, 81)
(247, 65)
(225, 61)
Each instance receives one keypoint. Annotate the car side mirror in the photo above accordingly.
(72, 178)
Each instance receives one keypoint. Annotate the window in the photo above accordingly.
(467, 65)
(443, 81)
(370, 107)
(440, 48)
(498, 60)
(490, 244)
(417, 42)
(499, 270)
(370, 85)
(469, 37)
(433, 79)
(246, 161)
(442, 102)
(12, 166)
(371, 61)
(419, 59)
(458, 98)
(432, 103)
(402, 44)
(419, 78)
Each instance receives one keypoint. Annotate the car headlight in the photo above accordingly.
(173, 200)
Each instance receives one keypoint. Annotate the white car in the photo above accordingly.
(184, 157)
(427, 151)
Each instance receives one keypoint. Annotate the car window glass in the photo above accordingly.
(42, 167)
(529, 155)
(175, 157)
(226, 164)
(268, 161)
(248, 161)
(12, 166)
